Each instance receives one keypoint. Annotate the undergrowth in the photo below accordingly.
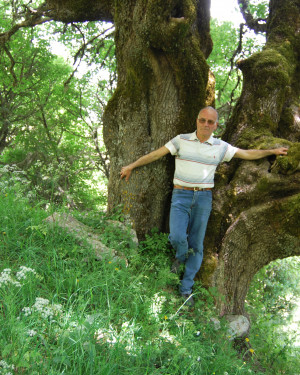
(62, 311)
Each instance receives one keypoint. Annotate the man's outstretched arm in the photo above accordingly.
(258, 154)
(146, 159)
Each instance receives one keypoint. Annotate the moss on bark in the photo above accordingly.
(161, 87)
(251, 231)
(81, 10)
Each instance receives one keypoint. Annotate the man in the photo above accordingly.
(197, 157)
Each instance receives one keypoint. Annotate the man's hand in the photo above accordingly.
(280, 151)
(126, 172)
(146, 159)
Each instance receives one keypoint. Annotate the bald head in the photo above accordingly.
(209, 108)
(207, 123)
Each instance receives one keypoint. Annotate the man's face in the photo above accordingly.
(206, 123)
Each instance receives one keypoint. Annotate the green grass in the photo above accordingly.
(67, 313)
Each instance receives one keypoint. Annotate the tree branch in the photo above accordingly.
(12, 61)
(58, 10)
(80, 11)
(81, 51)
(32, 17)
(258, 25)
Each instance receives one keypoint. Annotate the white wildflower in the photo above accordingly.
(43, 307)
(22, 273)
(27, 311)
(157, 305)
(47, 313)
(40, 303)
(31, 332)
(57, 308)
(4, 169)
(3, 364)
(6, 366)
(6, 278)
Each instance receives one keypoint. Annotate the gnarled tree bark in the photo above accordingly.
(257, 204)
(162, 80)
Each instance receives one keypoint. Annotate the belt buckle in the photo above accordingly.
(196, 188)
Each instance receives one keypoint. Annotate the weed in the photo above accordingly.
(63, 314)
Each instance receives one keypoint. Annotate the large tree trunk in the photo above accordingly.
(161, 50)
(257, 204)
(162, 80)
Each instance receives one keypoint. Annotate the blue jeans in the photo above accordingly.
(189, 215)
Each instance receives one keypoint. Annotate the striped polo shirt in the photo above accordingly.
(196, 162)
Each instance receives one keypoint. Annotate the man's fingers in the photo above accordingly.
(283, 151)
(125, 173)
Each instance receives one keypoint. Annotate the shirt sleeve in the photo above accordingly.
(173, 145)
(230, 151)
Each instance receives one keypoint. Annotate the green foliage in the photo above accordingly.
(273, 302)
(156, 246)
(259, 8)
(230, 45)
(276, 289)
(15, 181)
(64, 312)
(50, 120)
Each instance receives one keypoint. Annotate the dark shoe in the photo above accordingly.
(175, 268)
(189, 300)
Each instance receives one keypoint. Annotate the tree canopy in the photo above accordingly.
(51, 119)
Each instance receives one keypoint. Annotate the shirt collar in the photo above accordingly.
(195, 138)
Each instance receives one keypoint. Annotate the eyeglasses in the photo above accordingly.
(203, 121)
